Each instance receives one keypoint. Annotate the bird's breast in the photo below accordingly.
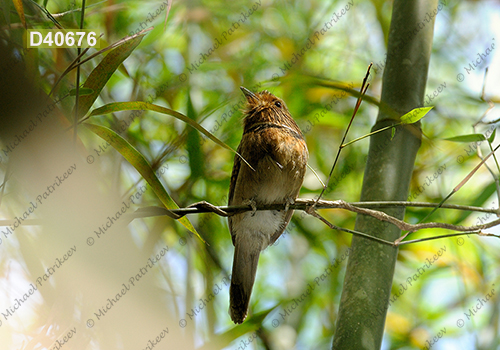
(280, 166)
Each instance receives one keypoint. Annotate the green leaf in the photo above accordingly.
(415, 115)
(477, 200)
(142, 166)
(193, 145)
(104, 70)
(393, 132)
(467, 138)
(81, 92)
(492, 137)
(140, 106)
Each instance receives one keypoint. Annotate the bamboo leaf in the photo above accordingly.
(104, 70)
(81, 92)
(140, 163)
(139, 105)
(467, 138)
(492, 137)
(415, 115)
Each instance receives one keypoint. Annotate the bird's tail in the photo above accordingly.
(242, 280)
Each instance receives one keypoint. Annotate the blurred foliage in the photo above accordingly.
(194, 64)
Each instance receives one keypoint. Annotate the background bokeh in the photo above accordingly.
(194, 63)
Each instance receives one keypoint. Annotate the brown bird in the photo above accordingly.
(274, 146)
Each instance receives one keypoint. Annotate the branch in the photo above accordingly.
(410, 227)
(300, 204)
(307, 205)
(310, 206)
(397, 242)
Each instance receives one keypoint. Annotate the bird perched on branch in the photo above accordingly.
(274, 147)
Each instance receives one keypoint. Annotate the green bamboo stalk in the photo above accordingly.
(370, 270)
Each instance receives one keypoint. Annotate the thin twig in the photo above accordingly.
(397, 242)
(385, 204)
(443, 236)
(491, 105)
(57, 15)
(414, 227)
(455, 190)
(478, 148)
(312, 212)
(364, 87)
(371, 134)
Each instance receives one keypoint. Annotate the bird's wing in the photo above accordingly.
(234, 177)
(286, 221)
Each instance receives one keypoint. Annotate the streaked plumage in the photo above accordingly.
(274, 146)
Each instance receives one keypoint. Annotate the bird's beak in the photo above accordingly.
(251, 97)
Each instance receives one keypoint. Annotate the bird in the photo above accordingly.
(269, 168)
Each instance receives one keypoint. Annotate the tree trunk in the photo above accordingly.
(389, 167)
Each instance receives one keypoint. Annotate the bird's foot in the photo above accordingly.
(251, 203)
(209, 208)
(289, 201)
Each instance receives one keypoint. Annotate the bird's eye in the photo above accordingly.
(277, 104)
